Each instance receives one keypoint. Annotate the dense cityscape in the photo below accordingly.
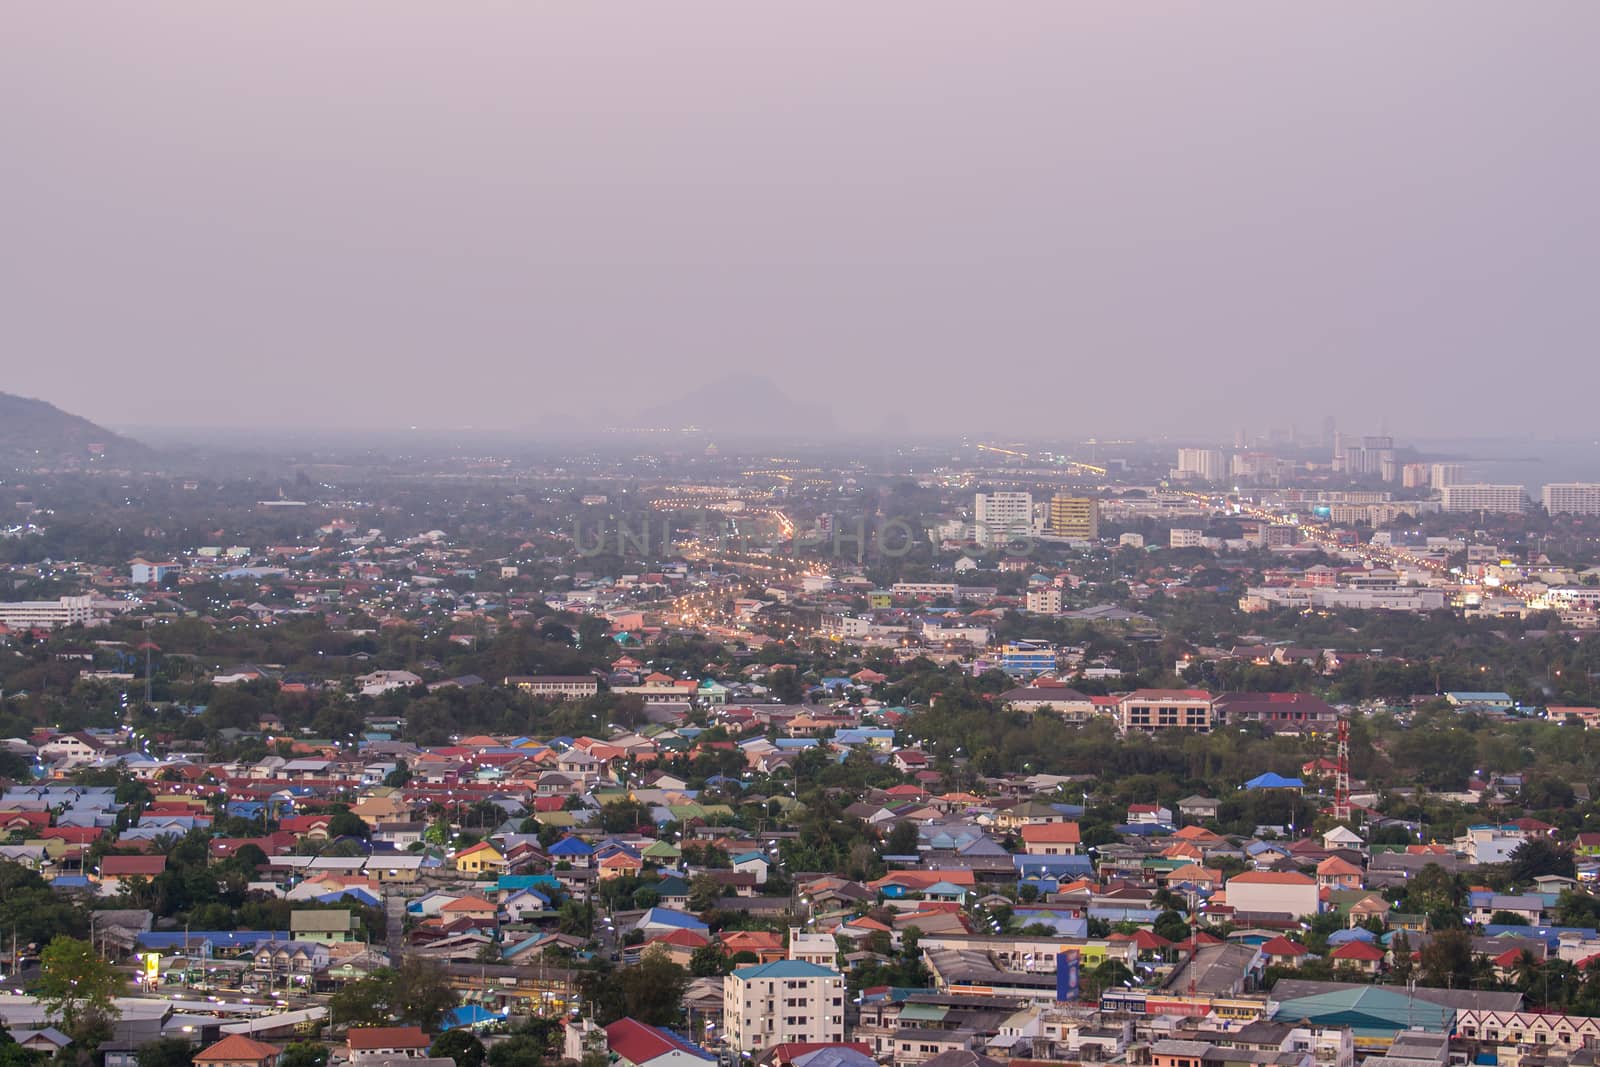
(668, 748)
(717, 534)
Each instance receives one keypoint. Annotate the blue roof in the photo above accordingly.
(670, 917)
(1354, 933)
(570, 846)
(468, 1015)
(1272, 780)
(513, 882)
(785, 969)
(218, 938)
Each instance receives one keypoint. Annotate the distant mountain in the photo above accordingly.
(32, 431)
(746, 405)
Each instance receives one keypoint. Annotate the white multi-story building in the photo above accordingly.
(925, 590)
(786, 1001)
(47, 614)
(1572, 498)
(820, 949)
(846, 627)
(1045, 601)
(1199, 464)
(1444, 474)
(1481, 496)
(1002, 517)
(1185, 539)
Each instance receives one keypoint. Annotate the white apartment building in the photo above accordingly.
(1185, 539)
(819, 949)
(1447, 474)
(1572, 498)
(789, 1000)
(1199, 464)
(1001, 517)
(1482, 496)
(47, 614)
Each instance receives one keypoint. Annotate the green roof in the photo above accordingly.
(924, 1013)
(1370, 1011)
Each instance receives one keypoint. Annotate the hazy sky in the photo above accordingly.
(1058, 215)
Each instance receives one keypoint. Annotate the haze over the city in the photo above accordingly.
(1090, 216)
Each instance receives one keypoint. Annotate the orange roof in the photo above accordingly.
(749, 940)
(468, 903)
(1271, 878)
(235, 1048)
(1335, 865)
(1051, 833)
(923, 879)
(1197, 833)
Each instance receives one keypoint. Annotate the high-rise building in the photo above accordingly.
(1375, 458)
(1075, 516)
(1446, 474)
(1199, 464)
(1415, 476)
(1480, 496)
(1002, 517)
(1572, 498)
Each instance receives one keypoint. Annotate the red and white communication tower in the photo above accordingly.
(1341, 775)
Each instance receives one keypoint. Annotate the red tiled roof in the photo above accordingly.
(1357, 950)
(1282, 946)
(370, 1037)
(236, 1048)
(129, 866)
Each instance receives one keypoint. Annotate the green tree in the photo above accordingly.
(518, 1050)
(709, 960)
(364, 1002)
(300, 1054)
(902, 840)
(1539, 856)
(422, 992)
(166, 1052)
(1170, 925)
(458, 1045)
(77, 986)
(346, 824)
(704, 892)
(1447, 959)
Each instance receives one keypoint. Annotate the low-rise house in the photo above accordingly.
(365, 1044)
(237, 1050)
